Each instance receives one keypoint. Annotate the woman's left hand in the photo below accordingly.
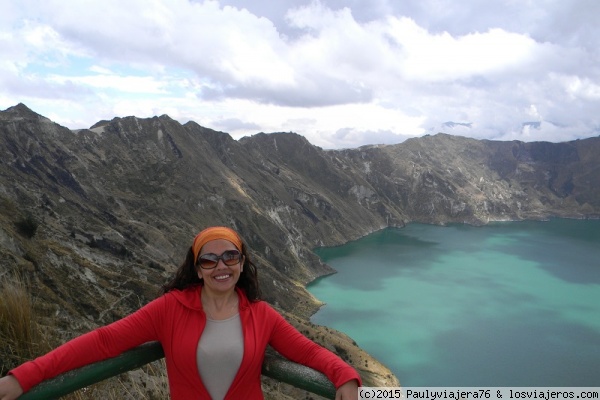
(348, 391)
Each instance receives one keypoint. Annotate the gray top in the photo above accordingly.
(219, 354)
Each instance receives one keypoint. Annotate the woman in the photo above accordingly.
(212, 326)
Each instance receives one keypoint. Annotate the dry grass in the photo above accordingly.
(147, 383)
(20, 337)
(21, 340)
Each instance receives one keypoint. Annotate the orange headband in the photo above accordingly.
(214, 233)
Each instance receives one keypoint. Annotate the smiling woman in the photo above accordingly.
(213, 328)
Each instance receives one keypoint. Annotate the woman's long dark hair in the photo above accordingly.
(187, 275)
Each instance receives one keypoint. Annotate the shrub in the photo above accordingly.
(27, 225)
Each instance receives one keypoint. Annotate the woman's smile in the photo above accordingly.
(222, 277)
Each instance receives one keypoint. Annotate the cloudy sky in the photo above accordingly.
(341, 73)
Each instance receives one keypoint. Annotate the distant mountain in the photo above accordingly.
(532, 124)
(451, 124)
(119, 203)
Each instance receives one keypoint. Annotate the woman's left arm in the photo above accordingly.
(298, 348)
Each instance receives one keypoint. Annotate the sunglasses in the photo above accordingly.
(210, 260)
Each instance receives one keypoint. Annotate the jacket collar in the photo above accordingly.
(190, 297)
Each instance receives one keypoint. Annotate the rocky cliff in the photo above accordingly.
(116, 205)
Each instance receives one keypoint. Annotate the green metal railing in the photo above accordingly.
(274, 367)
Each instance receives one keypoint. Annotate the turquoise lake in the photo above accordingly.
(507, 304)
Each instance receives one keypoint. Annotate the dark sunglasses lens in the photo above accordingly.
(208, 261)
(231, 257)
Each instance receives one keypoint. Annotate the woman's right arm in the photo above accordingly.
(99, 344)
(10, 388)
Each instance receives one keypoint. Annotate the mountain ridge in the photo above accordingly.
(118, 203)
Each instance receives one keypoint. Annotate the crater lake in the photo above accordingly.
(506, 304)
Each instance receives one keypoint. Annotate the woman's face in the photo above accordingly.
(221, 278)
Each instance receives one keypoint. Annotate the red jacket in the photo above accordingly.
(177, 321)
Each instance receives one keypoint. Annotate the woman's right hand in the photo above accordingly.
(10, 388)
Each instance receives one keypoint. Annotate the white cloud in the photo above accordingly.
(581, 88)
(442, 56)
(122, 83)
(339, 72)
